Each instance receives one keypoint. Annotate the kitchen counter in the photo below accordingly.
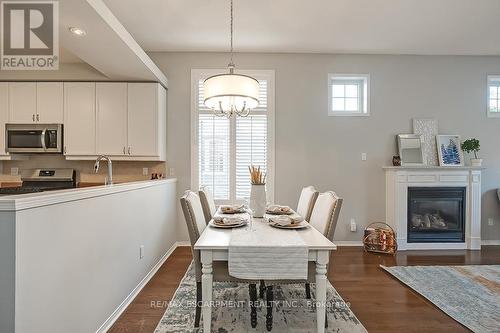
(32, 200)
(71, 260)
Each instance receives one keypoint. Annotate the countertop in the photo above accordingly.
(31, 200)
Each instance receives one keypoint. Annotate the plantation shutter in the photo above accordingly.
(228, 146)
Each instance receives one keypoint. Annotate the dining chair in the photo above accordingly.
(324, 217)
(207, 202)
(195, 220)
(308, 196)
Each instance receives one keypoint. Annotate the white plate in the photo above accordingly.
(225, 226)
(300, 225)
(280, 213)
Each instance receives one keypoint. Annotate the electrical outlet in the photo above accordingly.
(363, 156)
(172, 172)
(141, 252)
(491, 222)
(14, 171)
(353, 225)
(145, 171)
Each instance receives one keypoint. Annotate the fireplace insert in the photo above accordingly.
(436, 214)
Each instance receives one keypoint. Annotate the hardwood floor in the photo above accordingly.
(382, 303)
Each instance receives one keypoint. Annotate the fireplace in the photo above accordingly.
(436, 214)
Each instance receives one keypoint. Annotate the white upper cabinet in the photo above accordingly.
(111, 101)
(49, 102)
(22, 102)
(79, 118)
(143, 119)
(4, 114)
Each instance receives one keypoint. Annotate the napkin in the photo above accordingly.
(231, 208)
(230, 219)
(278, 209)
(285, 220)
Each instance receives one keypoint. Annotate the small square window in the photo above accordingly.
(349, 95)
(493, 103)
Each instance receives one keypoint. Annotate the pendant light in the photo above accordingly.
(231, 94)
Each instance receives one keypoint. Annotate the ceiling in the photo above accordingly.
(451, 27)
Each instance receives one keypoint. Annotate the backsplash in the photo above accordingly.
(123, 171)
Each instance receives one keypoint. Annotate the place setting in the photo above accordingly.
(283, 217)
(230, 216)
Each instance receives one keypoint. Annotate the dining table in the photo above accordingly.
(214, 244)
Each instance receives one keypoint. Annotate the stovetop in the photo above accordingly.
(19, 190)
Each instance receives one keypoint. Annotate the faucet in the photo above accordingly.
(109, 179)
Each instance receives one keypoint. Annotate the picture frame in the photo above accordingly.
(449, 150)
(410, 149)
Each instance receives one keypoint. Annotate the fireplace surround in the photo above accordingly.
(434, 207)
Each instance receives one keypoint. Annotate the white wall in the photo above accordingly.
(312, 148)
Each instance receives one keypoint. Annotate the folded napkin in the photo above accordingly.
(231, 209)
(285, 220)
(231, 219)
(267, 253)
(277, 209)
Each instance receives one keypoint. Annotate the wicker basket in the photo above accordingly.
(380, 238)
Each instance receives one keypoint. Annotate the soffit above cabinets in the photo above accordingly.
(107, 45)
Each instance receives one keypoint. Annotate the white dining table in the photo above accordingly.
(213, 245)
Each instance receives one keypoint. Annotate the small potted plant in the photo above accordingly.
(472, 146)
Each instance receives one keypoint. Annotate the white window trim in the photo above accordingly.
(488, 112)
(196, 75)
(332, 76)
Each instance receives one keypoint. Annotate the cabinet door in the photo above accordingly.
(49, 102)
(22, 102)
(142, 119)
(79, 118)
(4, 114)
(111, 101)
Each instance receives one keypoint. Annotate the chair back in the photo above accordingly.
(195, 221)
(208, 203)
(325, 213)
(306, 202)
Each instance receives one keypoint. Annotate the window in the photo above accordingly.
(493, 96)
(224, 148)
(348, 95)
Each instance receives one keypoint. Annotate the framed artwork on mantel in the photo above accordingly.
(449, 150)
(428, 128)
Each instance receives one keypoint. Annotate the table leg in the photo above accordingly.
(321, 271)
(206, 287)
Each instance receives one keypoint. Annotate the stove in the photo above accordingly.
(39, 180)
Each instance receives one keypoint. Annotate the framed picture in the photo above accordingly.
(410, 149)
(449, 151)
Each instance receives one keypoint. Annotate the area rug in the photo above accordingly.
(231, 313)
(468, 294)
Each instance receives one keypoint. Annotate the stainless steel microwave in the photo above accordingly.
(33, 138)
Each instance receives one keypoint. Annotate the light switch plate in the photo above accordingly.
(14, 171)
(145, 171)
(172, 172)
(363, 156)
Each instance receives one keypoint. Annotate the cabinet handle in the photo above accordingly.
(37, 117)
(129, 150)
(124, 151)
(33, 117)
(64, 149)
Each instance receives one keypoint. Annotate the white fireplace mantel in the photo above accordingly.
(398, 179)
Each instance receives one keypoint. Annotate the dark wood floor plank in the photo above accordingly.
(381, 302)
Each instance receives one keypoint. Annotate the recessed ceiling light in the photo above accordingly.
(77, 31)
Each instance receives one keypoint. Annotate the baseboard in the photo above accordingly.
(126, 302)
(348, 243)
(490, 242)
(183, 243)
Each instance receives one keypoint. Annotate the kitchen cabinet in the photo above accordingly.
(79, 118)
(111, 126)
(146, 120)
(22, 102)
(49, 102)
(4, 115)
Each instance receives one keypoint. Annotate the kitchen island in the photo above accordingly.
(71, 260)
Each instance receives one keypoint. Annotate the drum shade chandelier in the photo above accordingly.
(231, 94)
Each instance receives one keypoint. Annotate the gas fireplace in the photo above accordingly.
(436, 214)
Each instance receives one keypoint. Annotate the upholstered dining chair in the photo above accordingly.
(208, 203)
(324, 217)
(308, 196)
(195, 220)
